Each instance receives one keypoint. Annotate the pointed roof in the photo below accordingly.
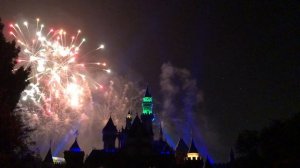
(193, 148)
(136, 126)
(48, 158)
(75, 147)
(181, 146)
(167, 148)
(147, 93)
(137, 121)
(110, 126)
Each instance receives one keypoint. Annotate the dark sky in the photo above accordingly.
(244, 54)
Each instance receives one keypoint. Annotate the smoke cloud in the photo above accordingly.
(183, 112)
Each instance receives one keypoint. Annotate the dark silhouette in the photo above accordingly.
(280, 143)
(136, 147)
(14, 150)
(48, 161)
(247, 147)
(74, 156)
(109, 135)
(275, 146)
(181, 152)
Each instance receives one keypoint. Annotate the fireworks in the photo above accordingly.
(63, 95)
(57, 81)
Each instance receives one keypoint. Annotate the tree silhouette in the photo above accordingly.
(277, 145)
(280, 143)
(13, 146)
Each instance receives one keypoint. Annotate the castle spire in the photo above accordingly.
(137, 121)
(75, 147)
(193, 148)
(110, 133)
(110, 126)
(147, 93)
(48, 159)
(181, 151)
(193, 153)
(147, 114)
(181, 146)
(128, 120)
(147, 103)
(74, 156)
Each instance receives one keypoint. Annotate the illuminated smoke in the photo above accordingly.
(182, 107)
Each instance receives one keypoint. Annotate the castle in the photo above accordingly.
(136, 147)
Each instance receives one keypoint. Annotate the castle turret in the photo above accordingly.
(109, 136)
(147, 104)
(193, 152)
(128, 120)
(181, 151)
(193, 158)
(74, 156)
(137, 128)
(147, 113)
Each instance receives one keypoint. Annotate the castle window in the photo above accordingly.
(193, 156)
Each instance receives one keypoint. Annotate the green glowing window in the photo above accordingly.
(147, 99)
(147, 111)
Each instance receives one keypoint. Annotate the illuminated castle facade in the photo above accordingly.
(136, 147)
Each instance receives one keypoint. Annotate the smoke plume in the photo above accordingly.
(183, 112)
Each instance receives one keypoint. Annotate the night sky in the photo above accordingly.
(243, 55)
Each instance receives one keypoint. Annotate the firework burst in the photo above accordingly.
(58, 82)
(59, 99)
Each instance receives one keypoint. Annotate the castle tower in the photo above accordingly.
(193, 152)
(109, 136)
(147, 114)
(181, 151)
(193, 158)
(122, 135)
(128, 120)
(74, 156)
(147, 103)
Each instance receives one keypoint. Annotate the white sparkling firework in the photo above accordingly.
(57, 80)
(58, 100)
